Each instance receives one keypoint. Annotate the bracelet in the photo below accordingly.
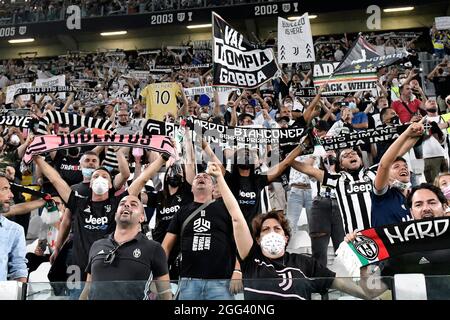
(237, 271)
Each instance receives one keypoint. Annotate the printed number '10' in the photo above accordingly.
(162, 97)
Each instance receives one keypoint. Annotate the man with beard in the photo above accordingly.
(128, 258)
(93, 216)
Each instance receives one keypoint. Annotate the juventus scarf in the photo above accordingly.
(48, 143)
(73, 120)
(15, 121)
(17, 188)
(237, 61)
(231, 136)
(381, 243)
(43, 90)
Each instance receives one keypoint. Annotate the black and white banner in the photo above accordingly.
(355, 139)
(14, 121)
(230, 136)
(43, 90)
(295, 43)
(237, 61)
(209, 90)
(363, 56)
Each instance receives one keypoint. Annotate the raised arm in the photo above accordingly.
(23, 208)
(309, 170)
(146, 175)
(242, 235)
(189, 159)
(55, 179)
(68, 102)
(124, 169)
(279, 168)
(401, 145)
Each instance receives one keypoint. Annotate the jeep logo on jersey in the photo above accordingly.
(358, 187)
(366, 247)
(250, 195)
(172, 209)
(99, 221)
(202, 225)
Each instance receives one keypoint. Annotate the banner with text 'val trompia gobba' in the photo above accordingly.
(237, 61)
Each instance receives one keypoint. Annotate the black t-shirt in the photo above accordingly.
(286, 278)
(208, 248)
(247, 191)
(68, 167)
(82, 188)
(136, 262)
(91, 221)
(164, 214)
(442, 85)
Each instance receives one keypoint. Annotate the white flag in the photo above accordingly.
(295, 43)
(52, 82)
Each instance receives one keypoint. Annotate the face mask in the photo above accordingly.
(273, 244)
(446, 192)
(14, 140)
(204, 116)
(401, 185)
(244, 166)
(100, 186)
(395, 82)
(352, 105)
(395, 120)
(432, 110)
(126, 90)
(174, 181)
(87, 172)
(123, 123)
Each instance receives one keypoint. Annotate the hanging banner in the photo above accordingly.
(11, 90)
(390, 241)
(209, 90)
(363, 57)
(295, 43)
(161, 98)
(41, 90)
(238, 62)
(48, 143)
(359, 138)
(56, 81)
(342, 84)
(14, 121)
(230, 136)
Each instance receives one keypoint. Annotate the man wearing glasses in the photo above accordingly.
(128, 258)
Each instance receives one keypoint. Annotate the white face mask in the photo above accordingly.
(273, 244)
(100, 186)
(401, 185)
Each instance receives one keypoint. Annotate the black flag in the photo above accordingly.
(237, 61)
(363, 56)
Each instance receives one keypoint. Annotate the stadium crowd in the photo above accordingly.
(225, 211)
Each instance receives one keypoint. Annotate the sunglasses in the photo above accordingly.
(109, 258)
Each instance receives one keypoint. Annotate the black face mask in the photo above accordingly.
(175, 181)
(432, 110)
(244, 166)
(395, 120)
(123, 123)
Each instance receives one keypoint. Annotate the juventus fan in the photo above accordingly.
(353, 186)
(128, 258)
(207, 245)
(392, 181)
(93, 216)
(425, 202)
(286, 275)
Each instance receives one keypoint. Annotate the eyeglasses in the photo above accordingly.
(109, 258)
